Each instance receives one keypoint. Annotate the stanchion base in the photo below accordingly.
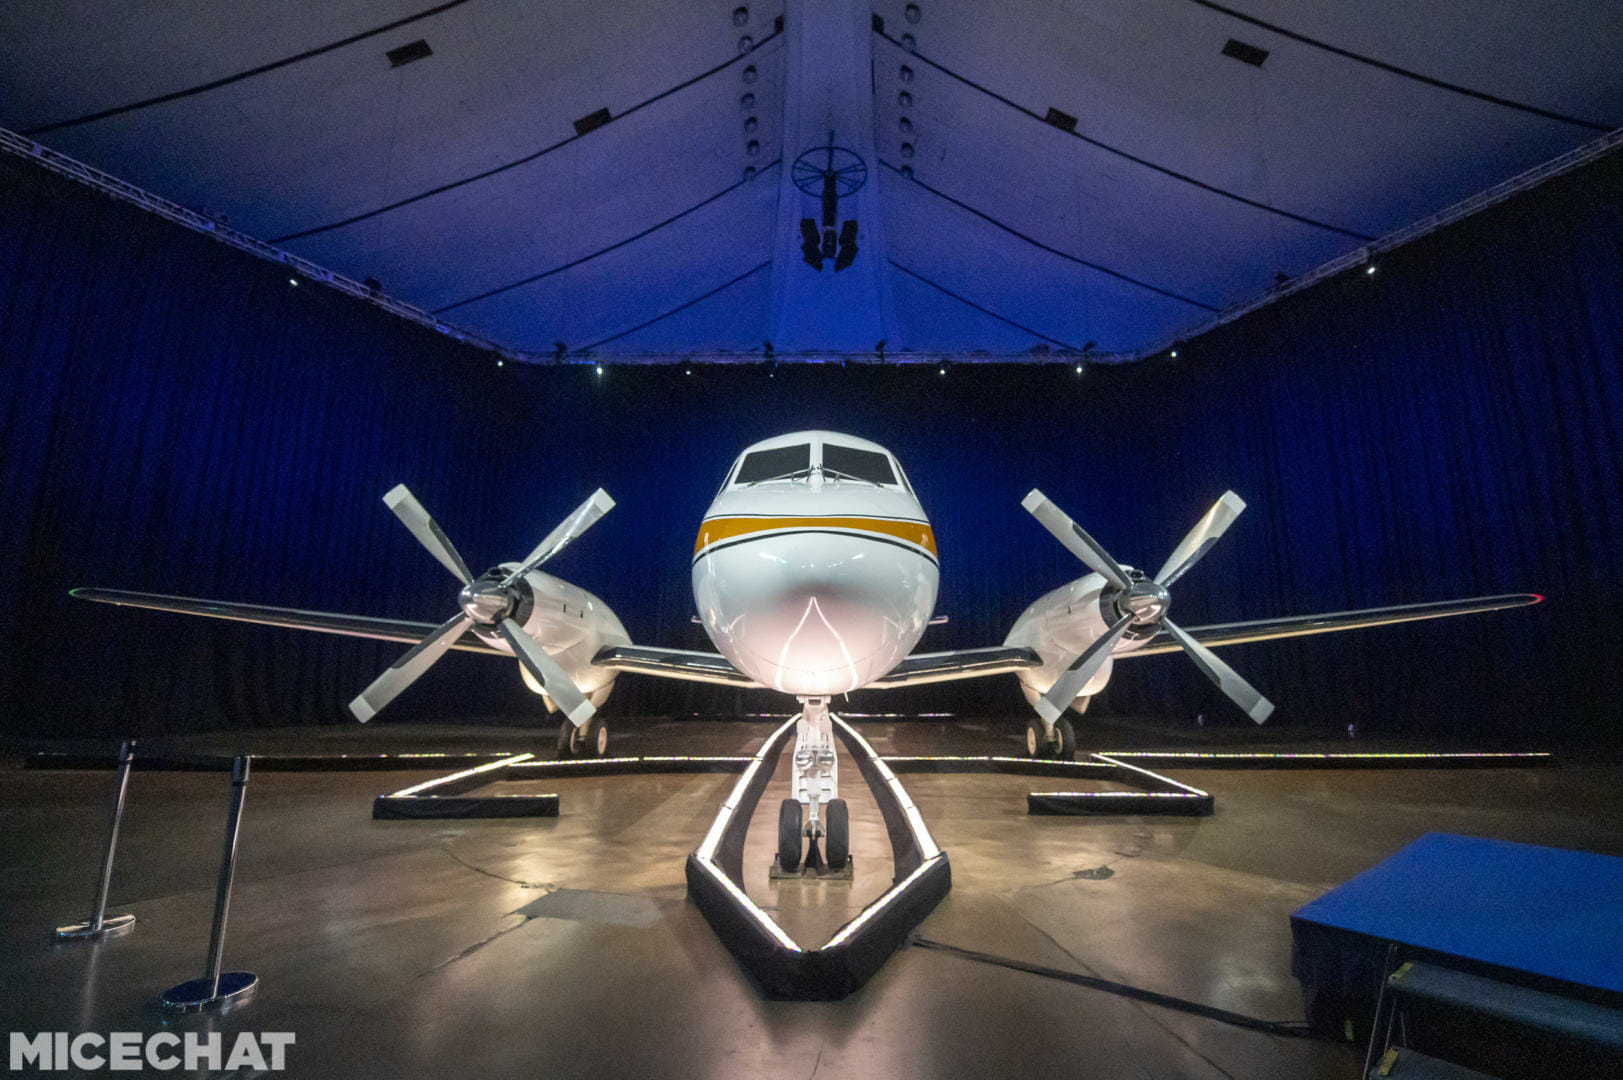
(193, 996)
(111, 926)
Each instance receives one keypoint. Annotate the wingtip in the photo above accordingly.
(1047, 710)
(363, 712)
(1033, 499)
(1235, 503)
(1262, 710)
(582, 713)
(602, 500)
(396, 495)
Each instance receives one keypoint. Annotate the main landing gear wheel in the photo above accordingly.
(1064, 745)
(1061, 746)
(838, 841)
(789, 835)
(592, 740)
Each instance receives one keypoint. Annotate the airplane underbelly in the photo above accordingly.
(813, 612)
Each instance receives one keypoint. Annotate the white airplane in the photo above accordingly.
(815, 574)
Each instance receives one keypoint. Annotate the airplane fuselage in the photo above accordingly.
(815, 574)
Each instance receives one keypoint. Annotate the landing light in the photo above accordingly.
(600, 369)
(1369, 269)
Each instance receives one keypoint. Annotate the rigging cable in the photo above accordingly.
(1404, 72)
(527, 158)
(241, 75)
(605, 250)
(1162, 169)
(1051, 250)
(982, 310)
(682, 307)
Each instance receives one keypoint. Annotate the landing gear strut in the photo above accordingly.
(814, 813)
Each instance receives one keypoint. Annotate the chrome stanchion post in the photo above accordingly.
(217, 989)
(100, 924)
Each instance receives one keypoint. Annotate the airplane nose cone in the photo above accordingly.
(814, 615)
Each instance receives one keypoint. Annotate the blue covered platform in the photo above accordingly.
(1536, 916)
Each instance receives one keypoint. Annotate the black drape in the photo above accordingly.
(179, 418)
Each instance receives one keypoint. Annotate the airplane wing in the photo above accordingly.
(959, 664)
(1239, 633)
(401, 630)
(681, 664)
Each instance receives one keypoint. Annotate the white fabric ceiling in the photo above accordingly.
(1010, 232)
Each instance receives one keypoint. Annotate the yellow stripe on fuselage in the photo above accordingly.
(719, 529)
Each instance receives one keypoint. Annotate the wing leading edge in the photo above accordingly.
(1239, 633)
(322, 622)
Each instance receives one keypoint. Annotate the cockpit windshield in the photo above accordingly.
(774, 464)
(847, 462)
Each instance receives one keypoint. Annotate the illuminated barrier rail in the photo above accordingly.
(782, 968)
(1151, 792)
(452, 796)
(1418, 759)
(161, 761)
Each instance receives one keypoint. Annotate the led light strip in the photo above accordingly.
(707, 850)
(1157, 777)
(749, 906)
(1123, 794)
(878, 905)
(477, 770)
(542, 763)
(921, 834)
(1311, 756)
(993, 758)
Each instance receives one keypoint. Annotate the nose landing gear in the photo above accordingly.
(815, 812)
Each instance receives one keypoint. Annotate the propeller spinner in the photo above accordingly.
(487, 603)
(1142, 604)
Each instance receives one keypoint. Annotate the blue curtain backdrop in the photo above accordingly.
(178, 418)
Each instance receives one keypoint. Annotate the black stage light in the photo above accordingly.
(811, 245)
(1246, 54)
(848, 245)
(592, 121)
(1062, 120)
(405, 54)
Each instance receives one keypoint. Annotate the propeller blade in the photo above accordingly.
(584, 517)
(559, 687)
(1059, 697)
(1227, 679)
(1200, 538)
(405, 671)
(414, 517)
(1076, 541)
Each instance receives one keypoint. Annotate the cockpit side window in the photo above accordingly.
(771, 464)
(866, 465)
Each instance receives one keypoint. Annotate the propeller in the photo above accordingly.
(487, 605)
(1141, 603)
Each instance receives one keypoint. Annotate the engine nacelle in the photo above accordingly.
(1060, 626)
(572, 626)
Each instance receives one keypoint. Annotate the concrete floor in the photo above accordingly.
(564, 948)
